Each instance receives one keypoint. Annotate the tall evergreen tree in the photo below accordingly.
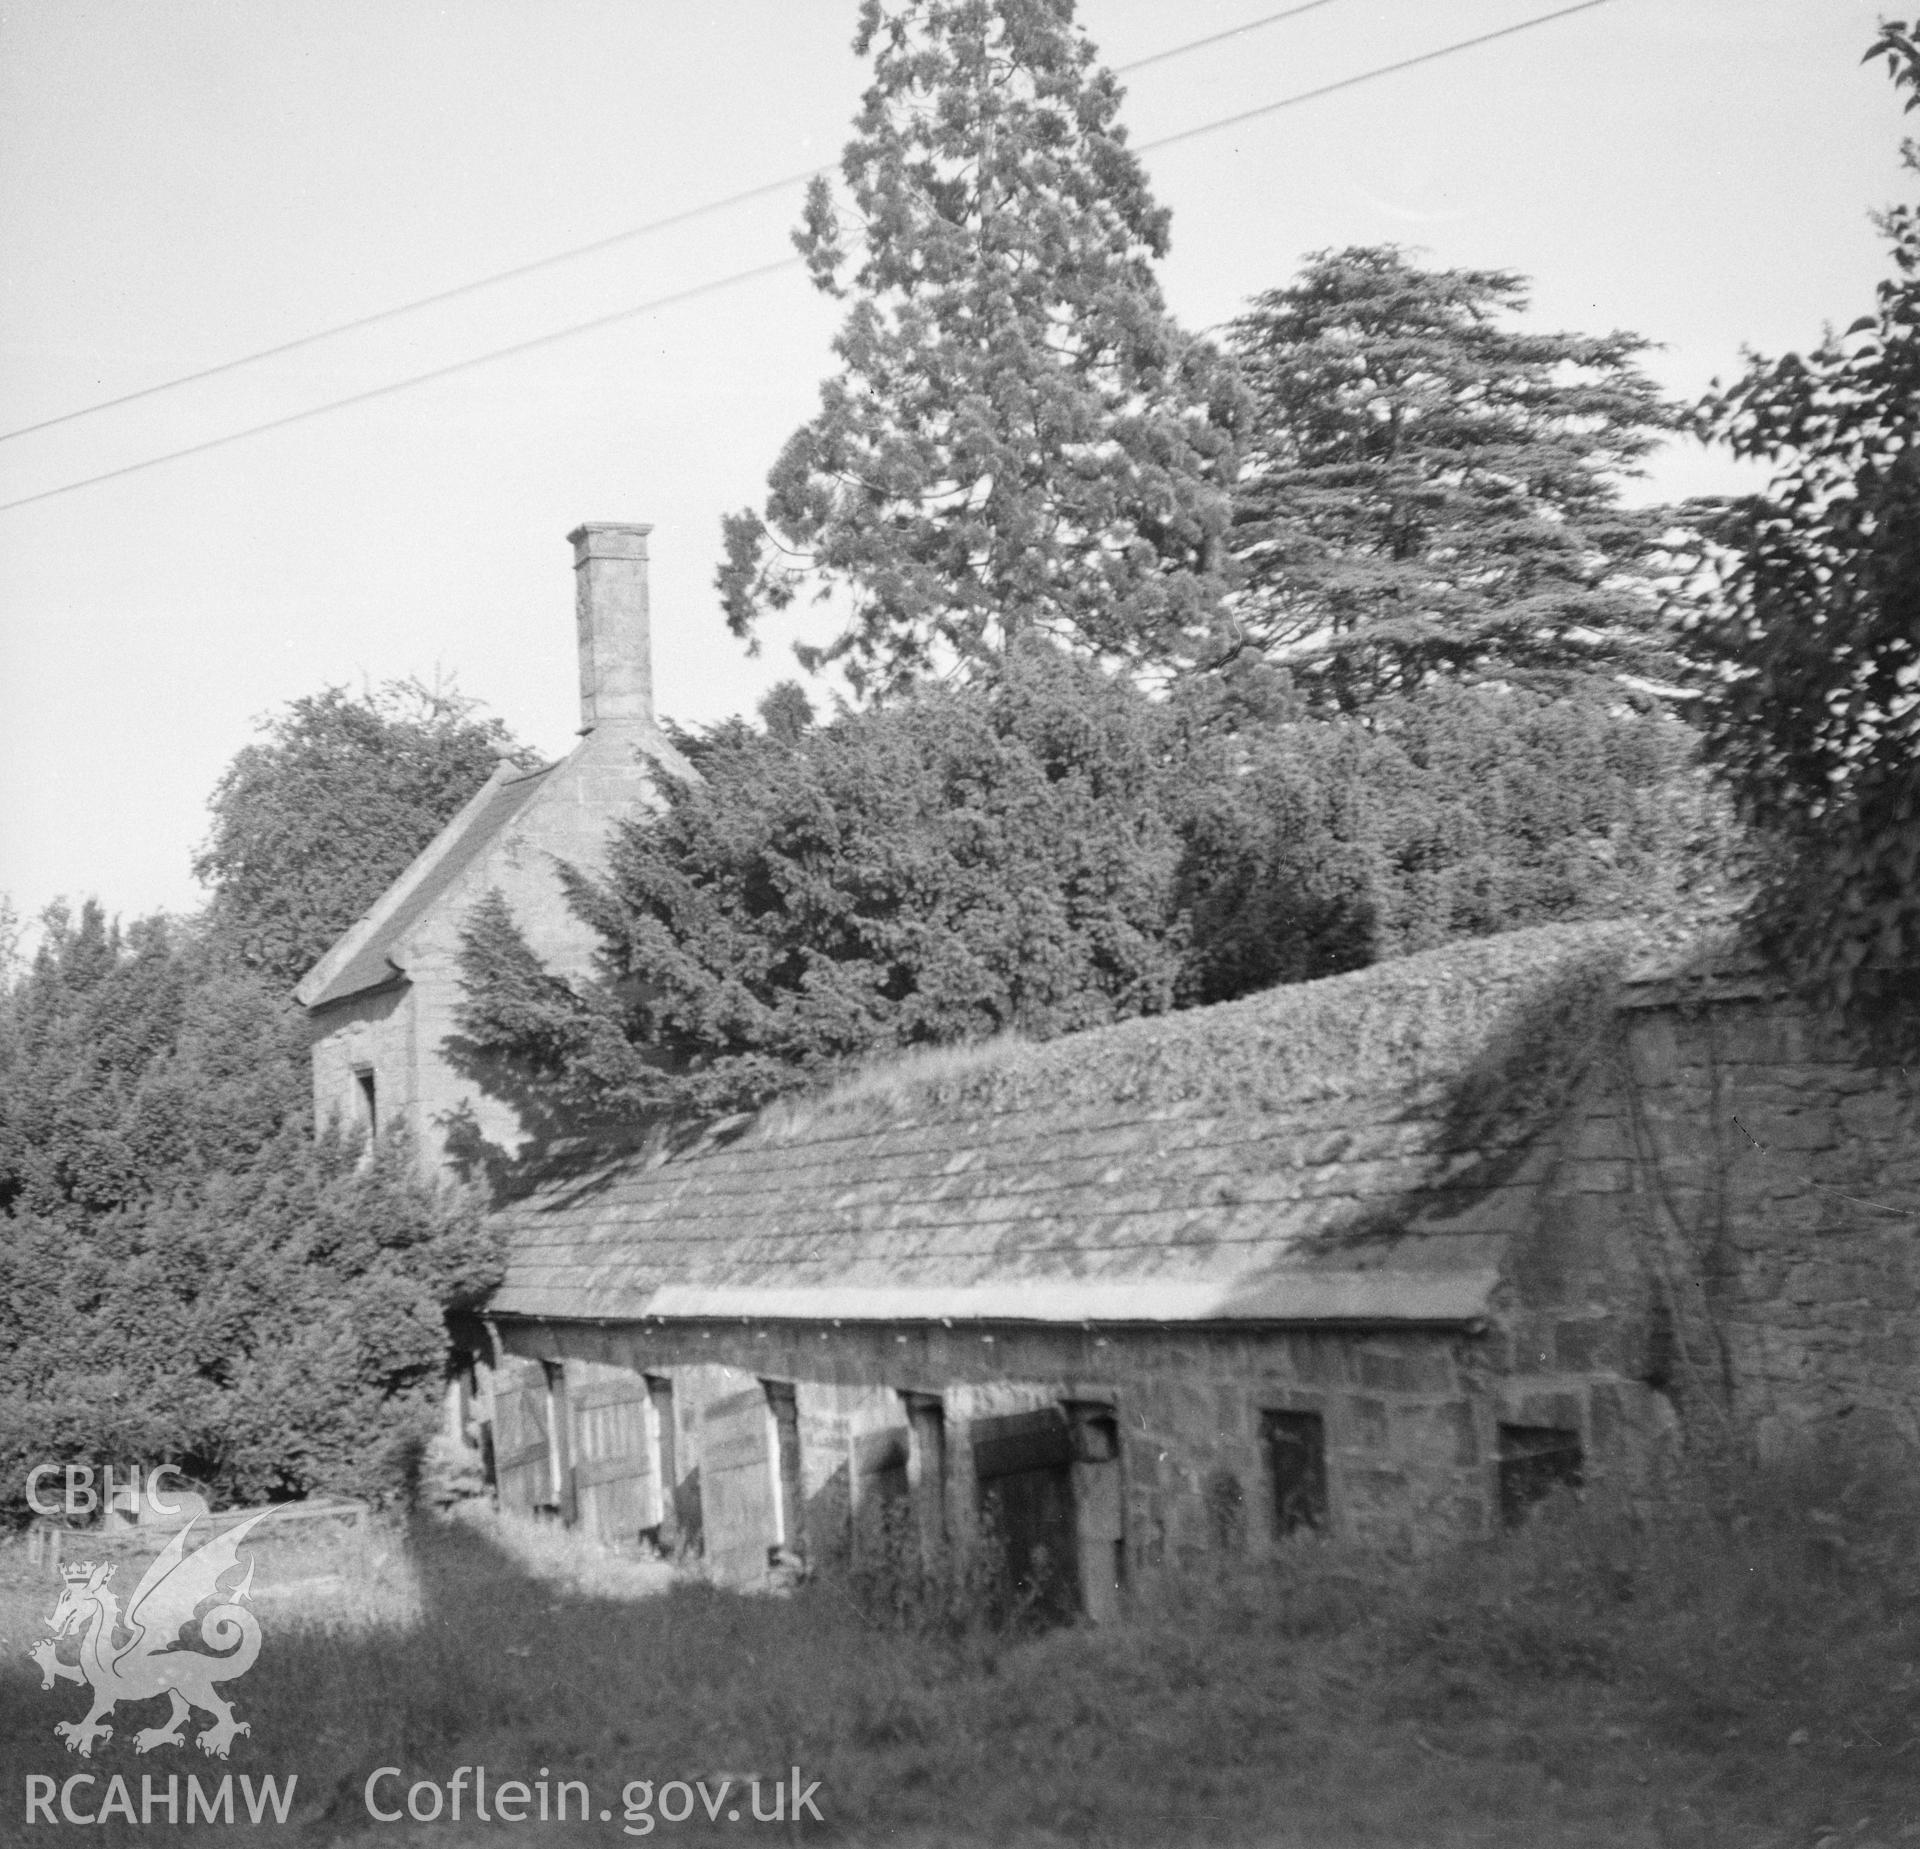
(185, 1272)
(1019, 438)
(1431, 490)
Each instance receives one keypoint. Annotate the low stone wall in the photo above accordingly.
(1751, 1184)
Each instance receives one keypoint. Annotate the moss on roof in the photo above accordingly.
(1414, 1022)
(1358, 1148)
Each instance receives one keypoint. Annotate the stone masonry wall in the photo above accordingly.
(408, 1037)
(1727, 1241)
(1577, 1342)
(1735, 1227)
(1409, 1431)
(368, 1032)
(1787, 1170)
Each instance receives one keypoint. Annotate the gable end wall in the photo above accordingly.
(405, 1033)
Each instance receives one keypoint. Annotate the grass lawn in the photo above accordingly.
(1743, 1672)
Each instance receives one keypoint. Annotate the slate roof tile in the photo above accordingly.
(1327, 1152)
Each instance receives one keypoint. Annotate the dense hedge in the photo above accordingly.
(186, 1274)
(1050, 849)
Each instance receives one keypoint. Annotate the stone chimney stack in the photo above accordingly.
(616, 641)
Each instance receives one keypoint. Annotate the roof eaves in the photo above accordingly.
(1350, 1298)
(312, 990)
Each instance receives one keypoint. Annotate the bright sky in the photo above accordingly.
(182, 184)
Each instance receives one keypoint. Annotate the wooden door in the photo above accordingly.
(676, 1497)
(522, 1473)
(613, 1486)
(739, 1482)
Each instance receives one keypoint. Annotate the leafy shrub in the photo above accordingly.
(889, 1579)
(1806, 629)
(316, 819)
(1056, 850)
(186, 1275)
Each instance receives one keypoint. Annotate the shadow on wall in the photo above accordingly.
(474, 1157)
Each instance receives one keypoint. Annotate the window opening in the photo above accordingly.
(1535, 1460)
(1296, 1448)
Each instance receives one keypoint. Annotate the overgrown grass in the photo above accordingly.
(1742, 1671)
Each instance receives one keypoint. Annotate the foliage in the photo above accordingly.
(1430, 490)
(11, 933)
(314, 822)
(1020, 439)
(1459, 1020)
(184, 1273)
(130, 1060)
(1053, 850)
(1811, 635)
(961, 863)
(1457, 813)
(882, 1571)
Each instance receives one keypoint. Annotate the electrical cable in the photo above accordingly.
(418, 378)
(536, 264)
(1215, 38)
(741, 276)
(1384, 70)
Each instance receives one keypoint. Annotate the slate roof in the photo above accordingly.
(1354, 1150)
(363, 959)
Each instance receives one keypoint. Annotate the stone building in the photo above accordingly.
(380, 1004)
(1387, 1256)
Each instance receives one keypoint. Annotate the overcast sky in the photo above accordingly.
(185, 182)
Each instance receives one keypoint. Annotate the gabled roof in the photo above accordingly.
(1354, 1150)
(363, 958)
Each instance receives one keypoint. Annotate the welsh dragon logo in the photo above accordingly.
(139, 1656)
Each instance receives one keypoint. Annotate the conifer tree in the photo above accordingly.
(1430, 490)
(1019, 438)
(185, 1272)
(957, 863)
(1054, 850)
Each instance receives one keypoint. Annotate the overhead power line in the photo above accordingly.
(407, 308)
(1383, 70)
(750, 275)
(418, 378)
(570, 255)
(1217, 38)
